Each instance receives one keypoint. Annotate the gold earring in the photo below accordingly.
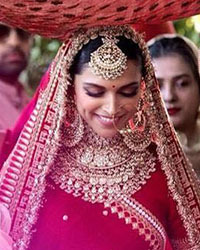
(73, 127)
(137, 133)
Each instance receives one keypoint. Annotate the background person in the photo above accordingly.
(175, 59)
(14, 53)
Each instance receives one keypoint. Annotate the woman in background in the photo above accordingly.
(175, 59)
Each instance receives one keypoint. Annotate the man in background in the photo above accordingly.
(14, 52)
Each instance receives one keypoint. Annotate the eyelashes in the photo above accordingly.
(92, 94)
(130, 94)
(100, 94)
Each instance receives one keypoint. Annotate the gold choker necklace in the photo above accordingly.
(100, 169)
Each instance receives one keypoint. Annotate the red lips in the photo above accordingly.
(173, 111)
(14, 57)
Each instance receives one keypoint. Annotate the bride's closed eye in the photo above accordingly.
(129, 92)
(94, 91)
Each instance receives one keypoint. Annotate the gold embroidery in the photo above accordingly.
(182, 244)
(179, 194)
(145, 222)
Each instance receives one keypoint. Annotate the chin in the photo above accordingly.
(15, 69)
(179, 127)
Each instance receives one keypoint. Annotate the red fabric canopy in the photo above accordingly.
(152, 30)
(57, 18)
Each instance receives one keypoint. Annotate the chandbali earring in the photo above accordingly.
(73, 126)
(137, 132)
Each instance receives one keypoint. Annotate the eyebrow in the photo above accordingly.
(181, 76)
(175, 77)
(89, 84)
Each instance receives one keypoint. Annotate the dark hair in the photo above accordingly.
(170, 45)
(127, 46)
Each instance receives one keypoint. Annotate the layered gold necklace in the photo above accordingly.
(100, 169)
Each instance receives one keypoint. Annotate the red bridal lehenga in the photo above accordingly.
(67, 188)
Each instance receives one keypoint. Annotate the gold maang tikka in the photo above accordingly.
(108, 61)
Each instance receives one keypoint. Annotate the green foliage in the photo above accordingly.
(42, 53)
(186, 27)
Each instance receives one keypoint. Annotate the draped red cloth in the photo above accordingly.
(76, 224)
(59, 18)
(152, 30)
(9, 140)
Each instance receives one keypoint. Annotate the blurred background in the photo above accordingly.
(44, 50)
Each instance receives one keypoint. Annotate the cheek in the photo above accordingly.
(26, 48)
(190, 96)
(131, 104)
(86, 104)
(189, 101)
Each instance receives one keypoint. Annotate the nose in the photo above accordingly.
(111, 105)
(13, 39)
(168, 93)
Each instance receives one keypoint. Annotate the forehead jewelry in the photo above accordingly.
(108, 61)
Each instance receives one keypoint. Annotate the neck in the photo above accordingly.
(12, 80)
